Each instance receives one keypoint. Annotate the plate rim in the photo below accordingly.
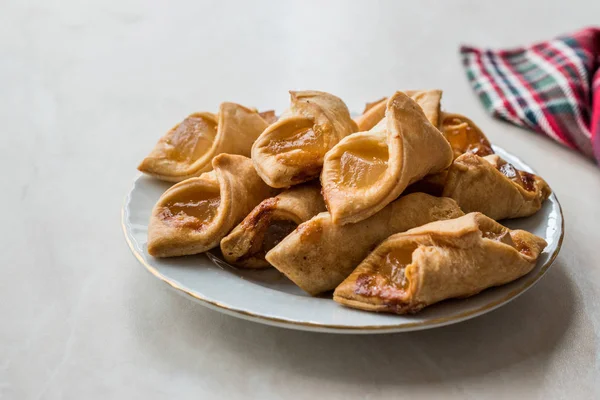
(333, 328)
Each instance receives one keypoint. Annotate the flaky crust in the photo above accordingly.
(414, 148)
(240, 190)
(319, 254)
(329, 118)
(237, 127)
(447, 259)
(477, 185)
(244, 246)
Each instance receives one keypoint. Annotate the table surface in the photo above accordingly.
(87, 89)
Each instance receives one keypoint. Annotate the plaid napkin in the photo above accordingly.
(551, 87)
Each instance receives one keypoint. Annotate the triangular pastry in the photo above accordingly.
(438, 261)
(368, 170)
(319, 254)
(194, 215)
(269, 222)
(494, 187)
(189, 147)
(291, 150)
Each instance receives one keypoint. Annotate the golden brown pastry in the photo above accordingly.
(373, 113)
(188, 148)
(194, 215)
(429, 100)
(269, 222)
(438, 261)
(368, 170)
(464, 136)
(319, 254)
(291, 150)
(494, 187)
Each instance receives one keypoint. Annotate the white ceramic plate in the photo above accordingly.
(268, 297)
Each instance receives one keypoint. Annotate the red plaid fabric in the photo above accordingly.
(551, 87)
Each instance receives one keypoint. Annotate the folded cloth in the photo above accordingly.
(551, 87)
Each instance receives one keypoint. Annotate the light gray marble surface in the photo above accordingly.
(86, 88)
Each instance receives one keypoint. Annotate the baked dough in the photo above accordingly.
(291, 150)
(438, 261)
(269, 222)
(188, 148)
(319, 254)
(464, 137)
(429, 100)
(368, 170)
(494, 187)
(373, 113)
(194, 215)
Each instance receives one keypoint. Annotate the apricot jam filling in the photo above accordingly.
(191, 139)
(363, 164)
(194, 208)
(465, 137)
(389, 282)
(513, 239)
(522, 178)
(522, 246)
(395, 265)
(296, 134)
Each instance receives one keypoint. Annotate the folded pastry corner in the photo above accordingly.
(188, 148)
(320, 254)
(192, 216)
(429, 100)
(494, 187)
(438, 261)
(366, 171)
(271, 221)
(373, 113)
(464, 136)
(291, 150)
